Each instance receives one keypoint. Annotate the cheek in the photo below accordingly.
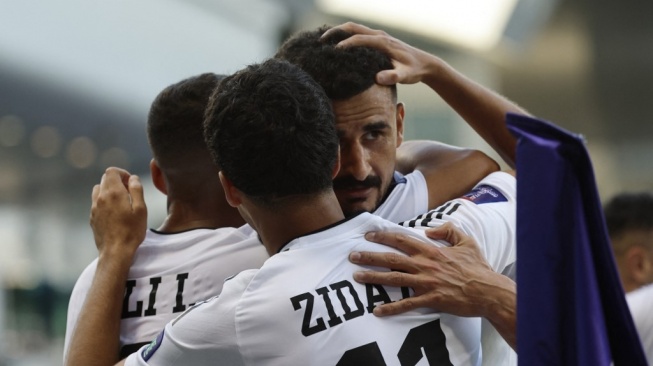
(383, 165)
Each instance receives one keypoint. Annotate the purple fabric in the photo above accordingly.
(570, 304)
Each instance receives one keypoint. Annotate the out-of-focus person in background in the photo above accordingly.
(629, 217)
(197, 246)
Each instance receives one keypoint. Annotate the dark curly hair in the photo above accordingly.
(175, 121)
(270, 129)
(342, 72)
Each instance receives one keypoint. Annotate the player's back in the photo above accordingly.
(170, 273)
(303, 307)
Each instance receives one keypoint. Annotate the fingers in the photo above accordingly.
(401, 306)
(388, 260)
(136, 193)
(447, 232)
(95, 193)
(361, 36)
(387, 77)
(122, 173)
(353, 28)
(114, 177)
(391, 278)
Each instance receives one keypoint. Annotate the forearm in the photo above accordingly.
(449, 171)
(483, 109)
(96, 338)
(501, 306)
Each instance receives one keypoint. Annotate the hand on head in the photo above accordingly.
(410, 64)
(118, 213)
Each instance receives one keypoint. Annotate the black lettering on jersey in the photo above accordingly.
(154, 281)
(424, 219)
(307, 330)
(372, 299)
(425, 340)
(179, 306)
(126, 313)
(369, 354)
(333, 318)
(405, 292)
(349, 314)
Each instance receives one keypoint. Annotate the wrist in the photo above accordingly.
(434, 71)
(503, 304)
(116, 260)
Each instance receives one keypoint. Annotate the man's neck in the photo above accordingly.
(295, 220)
(183, 217)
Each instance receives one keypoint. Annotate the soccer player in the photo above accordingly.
(270, 129)
(359, 68)
(197, 246)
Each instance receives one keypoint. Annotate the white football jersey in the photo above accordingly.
(408, 198)
(497, 194)
(170, 273)
(303, 307)
(640, 303)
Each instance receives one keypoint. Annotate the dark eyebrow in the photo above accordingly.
(375, 126)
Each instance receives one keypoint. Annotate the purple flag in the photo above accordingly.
(571, 308)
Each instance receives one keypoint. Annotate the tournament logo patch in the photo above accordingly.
(485, 194)
(152, 347)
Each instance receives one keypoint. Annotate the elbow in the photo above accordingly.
(480, 162)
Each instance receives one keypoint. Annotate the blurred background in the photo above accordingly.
(77, 78)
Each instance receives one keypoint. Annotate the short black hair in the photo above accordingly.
(175, 120)
(342, 72)
(629, 211)
(271, 131)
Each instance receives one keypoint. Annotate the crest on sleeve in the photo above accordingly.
(152, 347)
(485, 194)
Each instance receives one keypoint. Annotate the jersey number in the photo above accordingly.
(427, 337)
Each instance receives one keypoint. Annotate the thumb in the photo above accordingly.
(136, 193)
(447, 232)
(387, 77)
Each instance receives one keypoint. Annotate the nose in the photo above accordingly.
(355, 162)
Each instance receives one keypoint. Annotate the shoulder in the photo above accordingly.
(408, 197)
(640, 300)
(498, 186)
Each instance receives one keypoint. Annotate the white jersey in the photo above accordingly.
(408, 198)
(303, 307)
(170, 273)
(640, 303)
(495, 188)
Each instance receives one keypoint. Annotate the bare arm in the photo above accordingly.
(452, 171)
(118, 219)
(456, 280)
(483, 109)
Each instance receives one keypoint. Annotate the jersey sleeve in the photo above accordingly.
(76, 302)
(202, 334)
(488, 214)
